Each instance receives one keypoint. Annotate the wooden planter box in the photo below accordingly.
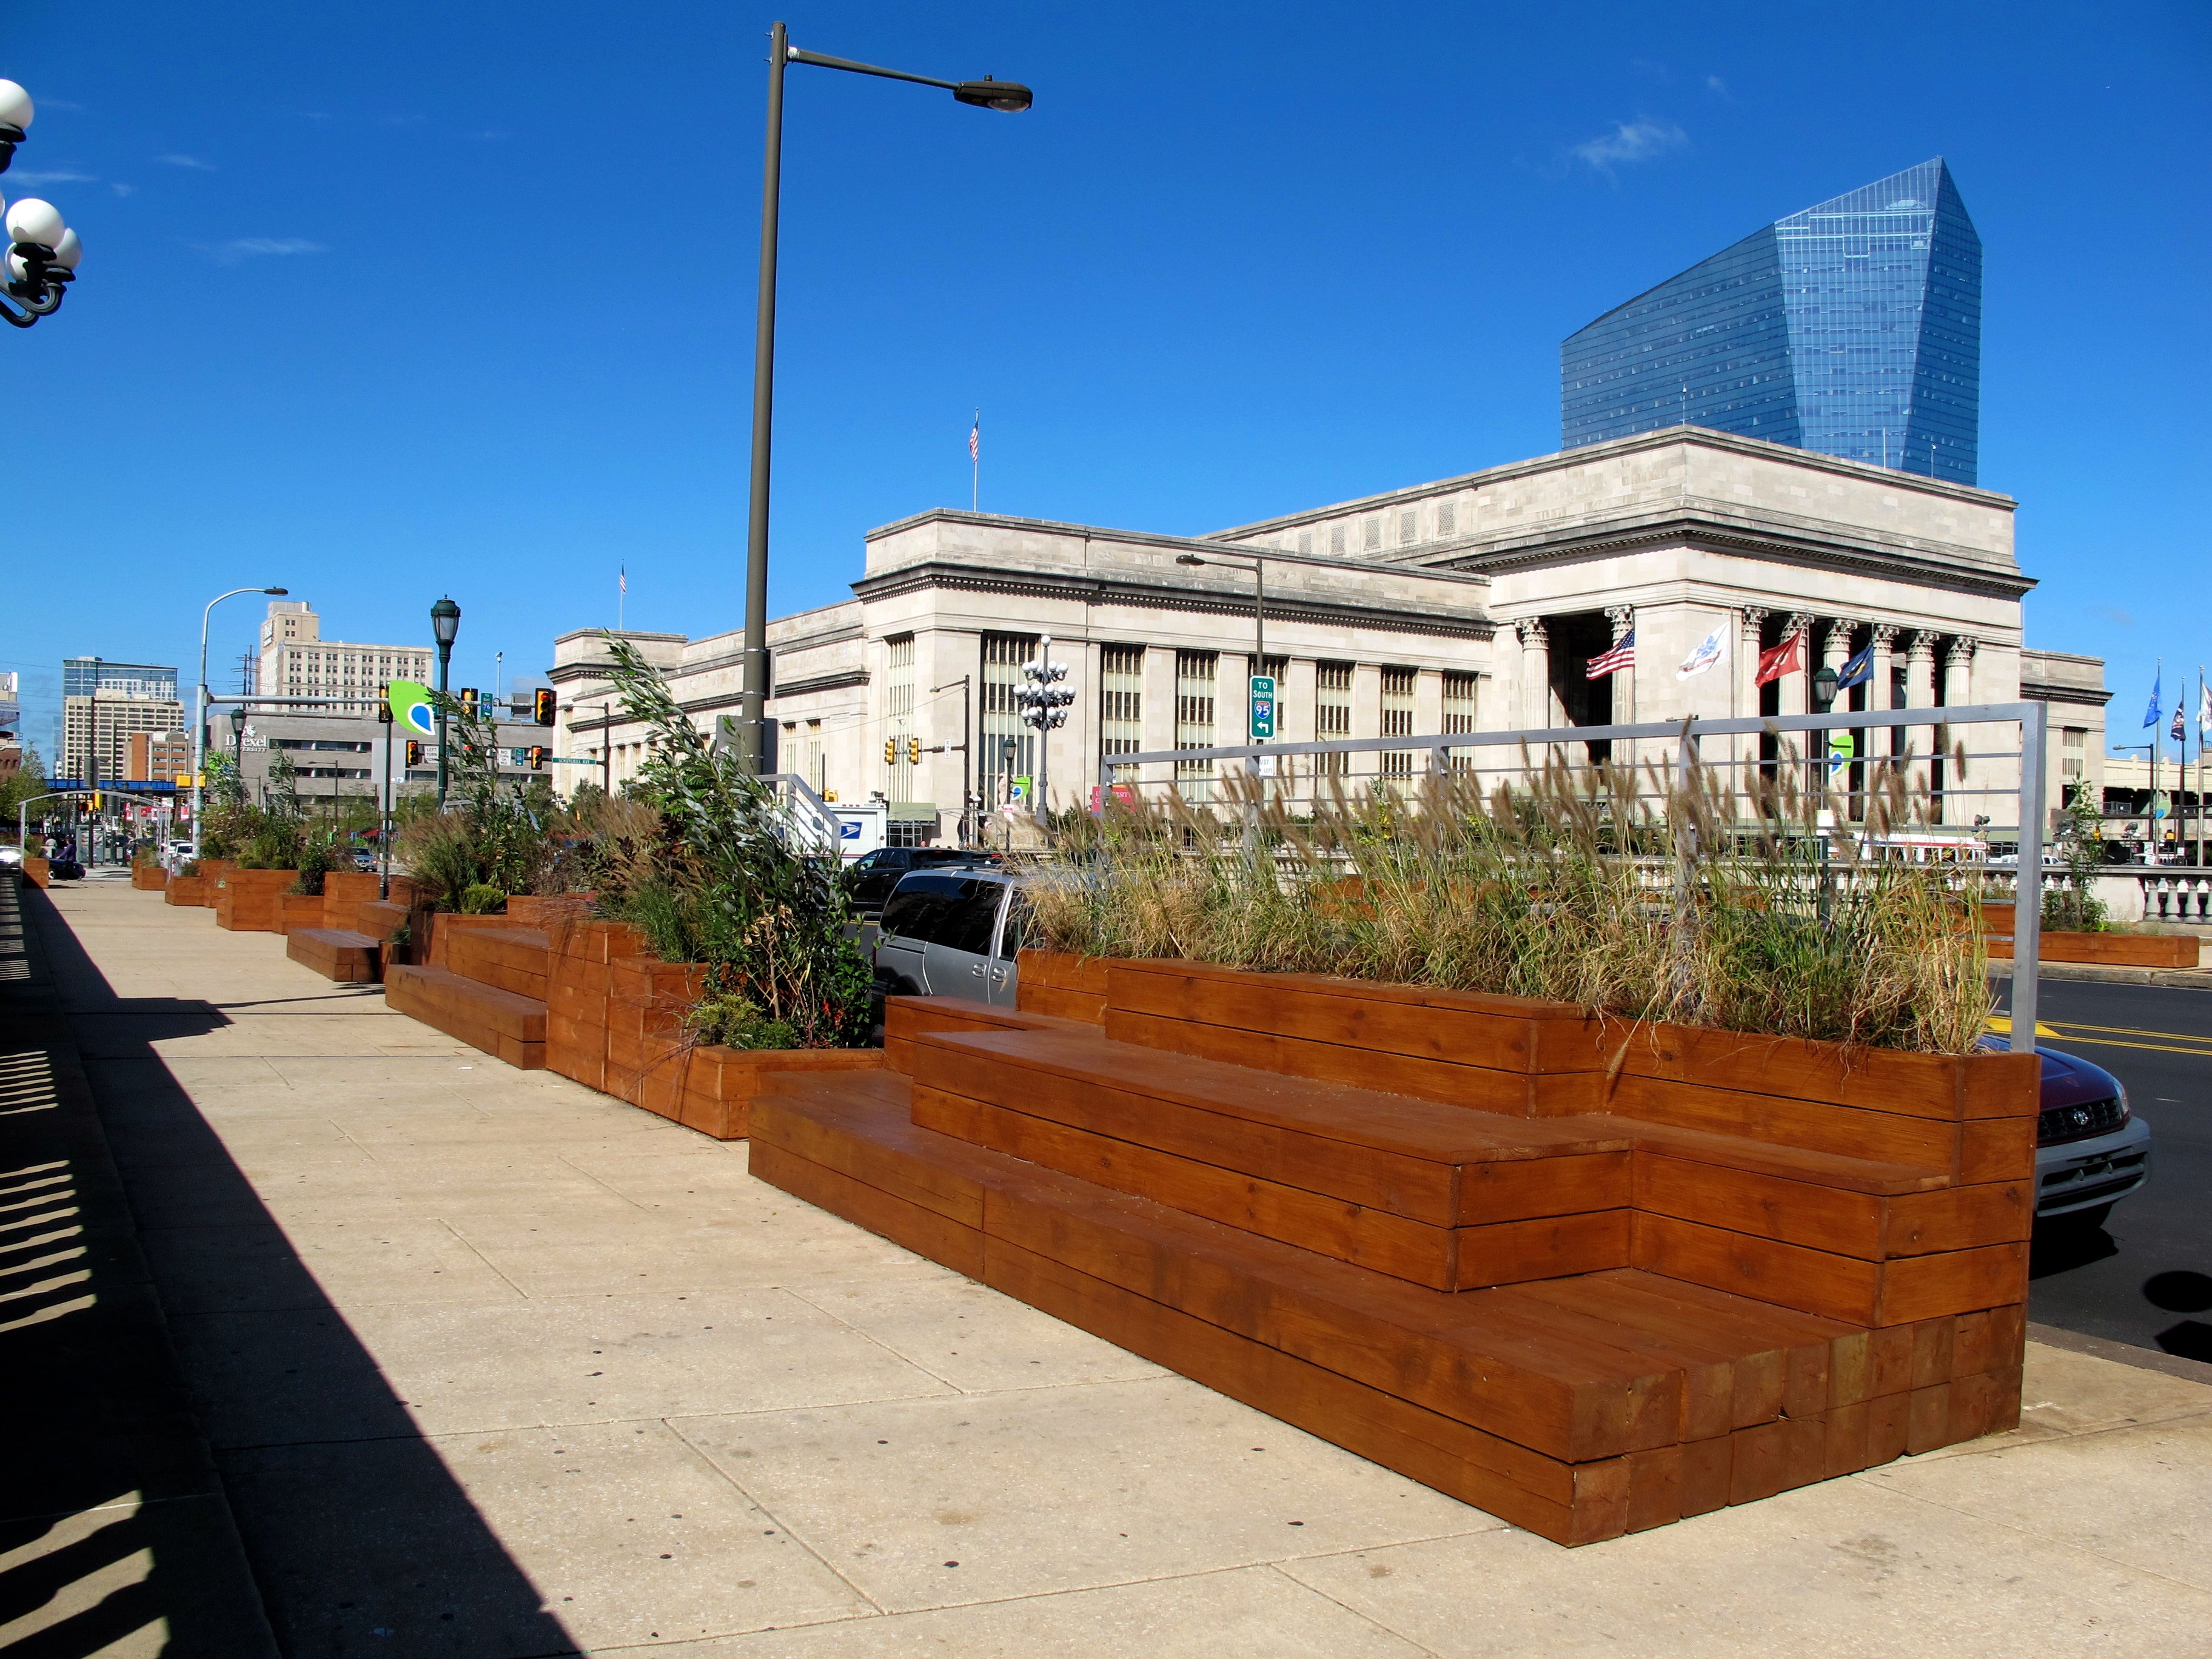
(1590, 1276)
(711, 1089)
(2111, 950)
(1073, 987)
(251, 901)
(299, 910)
(212, 871)
(148, 877)
(185, 889)
(38, 872)
(344, 891)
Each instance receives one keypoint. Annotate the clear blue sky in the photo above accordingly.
(382, 300)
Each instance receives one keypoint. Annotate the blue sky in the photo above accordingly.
(384, 300)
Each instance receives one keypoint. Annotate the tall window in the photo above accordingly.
(1003, 657)
(1447, 514)
(1332, 715)
(1305, 541)
(1397, 721)
(899, 709)
(1336, 539)
(1121, 699)
(1370, 534)
(817, 770)
(1409, 525)
(1459, 715)
(1195, 675)
(2071, 748)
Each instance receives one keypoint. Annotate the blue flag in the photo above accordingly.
(1857, 672)
(2150, 715)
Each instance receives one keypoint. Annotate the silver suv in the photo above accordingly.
(952, 934)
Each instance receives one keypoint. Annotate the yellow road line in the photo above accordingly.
(2133, 1031)
(2110, 1042)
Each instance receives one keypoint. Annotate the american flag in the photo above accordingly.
(975, 439)
(622, 578)
(1622, 655)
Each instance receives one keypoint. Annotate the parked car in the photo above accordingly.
(2091, 1150)
(869, 879)
(11, 857)
(952, 934)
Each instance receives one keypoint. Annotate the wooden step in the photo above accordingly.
(337, 953)
(482, 1016)
(1579, 1407)
(512, 958)
(1448, 1199)
(906, 1018)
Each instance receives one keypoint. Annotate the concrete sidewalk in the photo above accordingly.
(492, 1365)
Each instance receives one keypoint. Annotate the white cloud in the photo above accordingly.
(1630, 141)
(247, 247)
(124, 190)
(191, 161)
(57, 176)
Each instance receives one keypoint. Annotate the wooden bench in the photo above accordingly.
(499, 1021)
(338, 954)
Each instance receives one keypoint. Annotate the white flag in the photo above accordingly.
(2204, 706)
(1714, 649)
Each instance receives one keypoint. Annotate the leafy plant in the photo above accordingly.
(493, 832)
(704, 858)
(737, 1022)
(2073, 905)
(481, 899)
(1639, 896)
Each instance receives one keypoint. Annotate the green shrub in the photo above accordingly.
(482, 899)
(735, 1022)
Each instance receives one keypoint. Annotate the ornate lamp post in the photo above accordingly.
(42, 251)
(1043, 700)
(444, 623)
(985, 94)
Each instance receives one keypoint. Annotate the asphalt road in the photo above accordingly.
(2145, 1277)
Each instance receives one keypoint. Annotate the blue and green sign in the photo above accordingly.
(410, 707)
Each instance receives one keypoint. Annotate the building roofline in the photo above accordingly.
(1758, 449)
(1200, 545)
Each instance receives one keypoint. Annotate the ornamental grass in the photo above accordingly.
(1638, 896)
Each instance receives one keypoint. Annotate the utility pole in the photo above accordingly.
(967, 798)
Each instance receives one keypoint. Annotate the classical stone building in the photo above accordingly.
(1469, 604)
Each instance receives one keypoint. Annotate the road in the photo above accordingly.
(2144, 1278)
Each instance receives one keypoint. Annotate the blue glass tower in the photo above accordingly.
(1853, 329)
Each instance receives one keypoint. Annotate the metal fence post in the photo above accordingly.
(2028, 891)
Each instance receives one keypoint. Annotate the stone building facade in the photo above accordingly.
(1470, 603)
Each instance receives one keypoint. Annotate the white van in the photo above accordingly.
(952, 934)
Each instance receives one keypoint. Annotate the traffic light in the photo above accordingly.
(913, 752)
(469, 700)
(414, 753)
(384, 706)
(538, 757)
(541, 706)
(891, 751)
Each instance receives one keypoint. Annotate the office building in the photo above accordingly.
(159, 758)
(1853, 329)
(101, 724)
(297, 661)
(152, 682)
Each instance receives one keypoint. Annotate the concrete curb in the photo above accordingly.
(2193, 979)
(2123, 1353)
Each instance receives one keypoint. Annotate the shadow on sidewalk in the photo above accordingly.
(117, 1514)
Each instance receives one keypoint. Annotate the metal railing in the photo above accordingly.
(1950, 779)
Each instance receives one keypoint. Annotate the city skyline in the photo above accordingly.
(1178, 311)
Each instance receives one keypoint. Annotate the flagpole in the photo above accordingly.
(621, 595)
(2200, 766)
(2156, 733)
(975, 464)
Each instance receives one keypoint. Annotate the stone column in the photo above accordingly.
(1920, 693)
(1623, 618)
(1535, 674)
(1744, 699)
(1880, 744)
(1958, 691)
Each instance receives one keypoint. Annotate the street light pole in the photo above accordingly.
(445, 624)
(985, 94)
(200, 701)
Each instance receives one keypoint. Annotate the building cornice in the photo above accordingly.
(1203, 597)
(1559, 460)
(1775, 538)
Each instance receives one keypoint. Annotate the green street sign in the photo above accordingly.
(1263, 705)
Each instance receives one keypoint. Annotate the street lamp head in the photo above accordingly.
(1824, 686)
(16, 109)
(986, 94)
(238, 719)
(445, 620)
(34, 222)
(275, 589)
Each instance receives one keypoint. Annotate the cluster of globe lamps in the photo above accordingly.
(42, 251)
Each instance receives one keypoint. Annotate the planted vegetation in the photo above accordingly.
(1639, 896)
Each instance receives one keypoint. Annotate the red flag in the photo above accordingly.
(1787, 658)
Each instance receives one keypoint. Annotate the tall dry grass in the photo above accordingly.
(1645, 897)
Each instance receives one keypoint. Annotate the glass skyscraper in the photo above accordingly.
(1853, 329)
